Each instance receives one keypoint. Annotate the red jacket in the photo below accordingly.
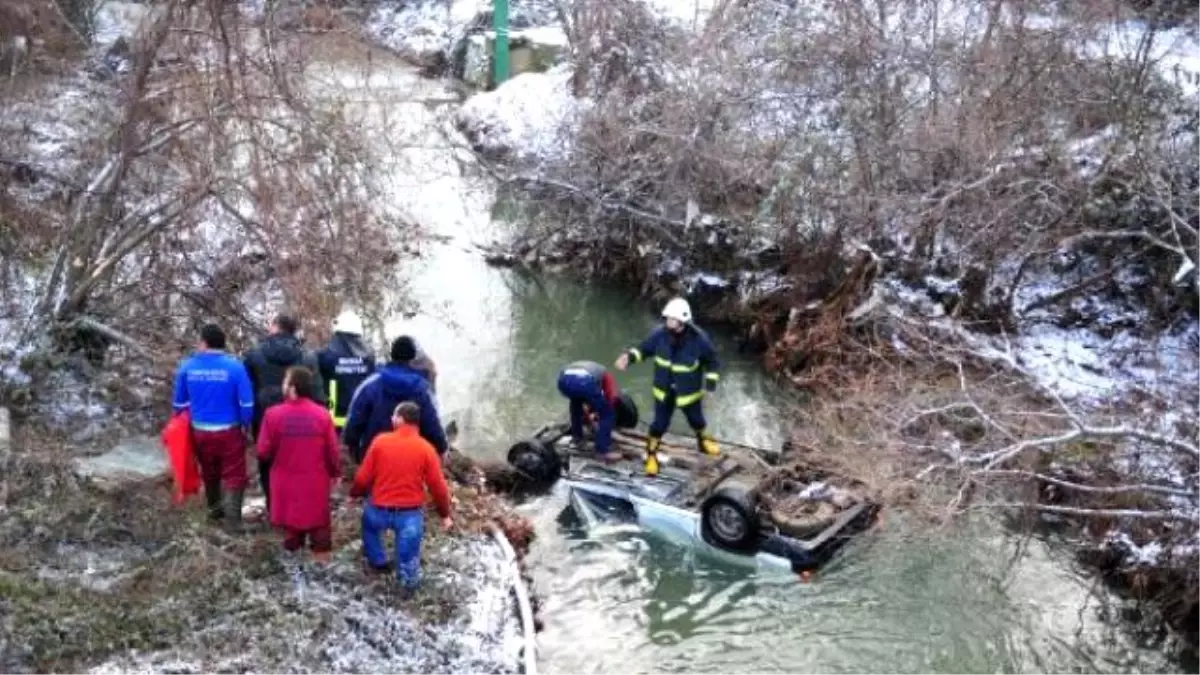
(299, 439)
(398, 467)
(608, 385)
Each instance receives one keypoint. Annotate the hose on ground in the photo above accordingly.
(528, 630)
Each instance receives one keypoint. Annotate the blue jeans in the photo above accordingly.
(585, 390)
(408, 526)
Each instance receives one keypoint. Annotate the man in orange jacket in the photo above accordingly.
(398, 467)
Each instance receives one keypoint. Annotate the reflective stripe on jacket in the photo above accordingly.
(345, 364)
(686, 364)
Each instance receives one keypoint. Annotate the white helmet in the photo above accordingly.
(678, 309)
(348, 322)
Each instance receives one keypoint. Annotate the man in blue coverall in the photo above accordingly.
(591, 389)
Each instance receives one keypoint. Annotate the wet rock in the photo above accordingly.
(133, 460)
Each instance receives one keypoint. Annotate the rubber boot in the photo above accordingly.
(232, 504)
(652, 443)
(212, 497)
(707, 444)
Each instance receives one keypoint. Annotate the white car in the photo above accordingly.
(749, 503)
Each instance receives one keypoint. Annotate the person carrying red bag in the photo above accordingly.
(214, 388)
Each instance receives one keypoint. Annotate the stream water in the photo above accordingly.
(621, 600)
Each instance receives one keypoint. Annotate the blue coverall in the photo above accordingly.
(583, 383)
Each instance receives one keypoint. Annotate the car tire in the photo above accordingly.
(627, 412)
(538, 462)
(729, 519)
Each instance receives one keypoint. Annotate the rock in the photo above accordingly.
(133, 460)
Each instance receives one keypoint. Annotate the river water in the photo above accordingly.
(900, 600)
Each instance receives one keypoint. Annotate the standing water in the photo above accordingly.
(622, 600)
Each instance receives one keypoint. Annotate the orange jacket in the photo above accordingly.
(398, 467)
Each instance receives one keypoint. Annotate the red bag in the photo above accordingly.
(185, 470)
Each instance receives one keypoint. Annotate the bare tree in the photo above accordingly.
(218, 172)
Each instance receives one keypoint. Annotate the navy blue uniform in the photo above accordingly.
(589, 383)
(376, 399)
(345, 364)
(685, 366)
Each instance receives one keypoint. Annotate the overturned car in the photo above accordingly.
(749, 502)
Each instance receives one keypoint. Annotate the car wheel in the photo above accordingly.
(729, 519)
(627, 412)
(538, 462)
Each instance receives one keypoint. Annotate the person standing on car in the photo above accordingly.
(215, 390)
(266, 363)
(299, 442)
(592, 390)
(397, 470)
(377, 397)
(345, 364)
(685, 367)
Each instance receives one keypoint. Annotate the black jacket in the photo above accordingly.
(346, 362)
(266, 364)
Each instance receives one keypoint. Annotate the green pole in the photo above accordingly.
(500, 58)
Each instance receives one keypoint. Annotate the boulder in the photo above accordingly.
(133, 460)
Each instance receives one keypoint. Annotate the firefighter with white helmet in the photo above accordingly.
(685, 367)
(344, 364)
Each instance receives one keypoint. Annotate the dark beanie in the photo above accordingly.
(404, 349)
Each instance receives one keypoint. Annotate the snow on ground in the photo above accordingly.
(423, 29)
(325, 620)
(116, 19)
(1089, 371)
(1079, 364)
(531, 115)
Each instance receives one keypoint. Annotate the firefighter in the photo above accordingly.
(685, 367)
(345, 363)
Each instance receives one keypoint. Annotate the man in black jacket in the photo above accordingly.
(266, 364)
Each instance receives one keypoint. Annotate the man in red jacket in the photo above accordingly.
(398, 467)
(298, 440)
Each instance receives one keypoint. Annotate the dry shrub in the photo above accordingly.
(46, 32)
(210, 183)
(989, 151)
(871, 428)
